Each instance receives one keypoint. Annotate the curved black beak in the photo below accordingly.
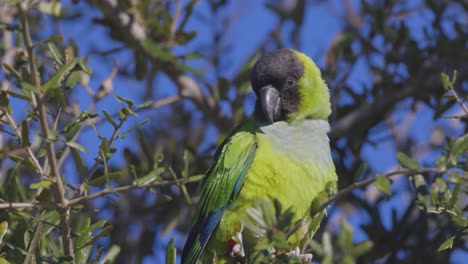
(271, 103)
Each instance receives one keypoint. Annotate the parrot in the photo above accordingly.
(282, 153)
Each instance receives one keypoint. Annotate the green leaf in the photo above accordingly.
(12, 71)
(3, 230)
(455, 196)
(84, 68)
(55, 81)
(163, 54)
(53, 38)
(98, 224)
(73, 144)
(195, 178)
(171, 252)
(85, 115)
(105, 151)
(184, 67)
(126, 100)
(25, 134)
(361, 248)
(407, 162)
(345, 237)
(52, 8)
(78, 161)
(17, 95)
(181, 186)
(111, 255)
(98, 181)
(72, 79)
(441, 162)
(446, 81)
(459, 147)
(72, 131)
(152, 176)
(41, 184)
(185, 171)
(144, 104)
(44, 195)
(422, 191)
(123, 135)
(125, 112)
(383, 184)
(109, 118)
(362, 168)
(107, 230)
(460, 220)
(447, 244)
(56, 53)
(28, 87)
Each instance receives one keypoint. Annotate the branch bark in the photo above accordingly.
(58, 188)
(104, 192)
(357, 185)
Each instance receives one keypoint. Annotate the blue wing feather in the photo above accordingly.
(209, 218)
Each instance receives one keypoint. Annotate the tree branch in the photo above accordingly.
(58, 188)
(104, 192)
(188, 87)
(455, 95)
(369, 116)
(31, 154)
(28, 205)
(131, 187)
(357, 185)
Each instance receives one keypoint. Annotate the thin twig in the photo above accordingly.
(99, 194)
(154, 105)
(58, 188)
(113, 137)
(28, 205)
(346, 191)
(31, 154)
(457, 98)
(173, 27)
(125, 188)
(33, 243)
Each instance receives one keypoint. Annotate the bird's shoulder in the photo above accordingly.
(231, 163)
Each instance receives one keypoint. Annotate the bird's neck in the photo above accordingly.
(306, 140)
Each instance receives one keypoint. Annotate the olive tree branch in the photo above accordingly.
(58, 188)
(455, 95)
(357, 185)
(28, 205)
(130, 187)
(104, 192)
(154, 105)
(31, 154)
(113, 137)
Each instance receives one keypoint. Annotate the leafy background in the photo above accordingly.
(111, 113)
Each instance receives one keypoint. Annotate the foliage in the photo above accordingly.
(93, 174)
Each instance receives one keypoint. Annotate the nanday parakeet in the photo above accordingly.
(283, 153)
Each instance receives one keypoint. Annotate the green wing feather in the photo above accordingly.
(223, 182)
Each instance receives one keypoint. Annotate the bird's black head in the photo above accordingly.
(274, 80)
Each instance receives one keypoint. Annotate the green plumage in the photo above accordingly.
(283, 154)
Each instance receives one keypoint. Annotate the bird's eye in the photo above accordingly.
(290, 81)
